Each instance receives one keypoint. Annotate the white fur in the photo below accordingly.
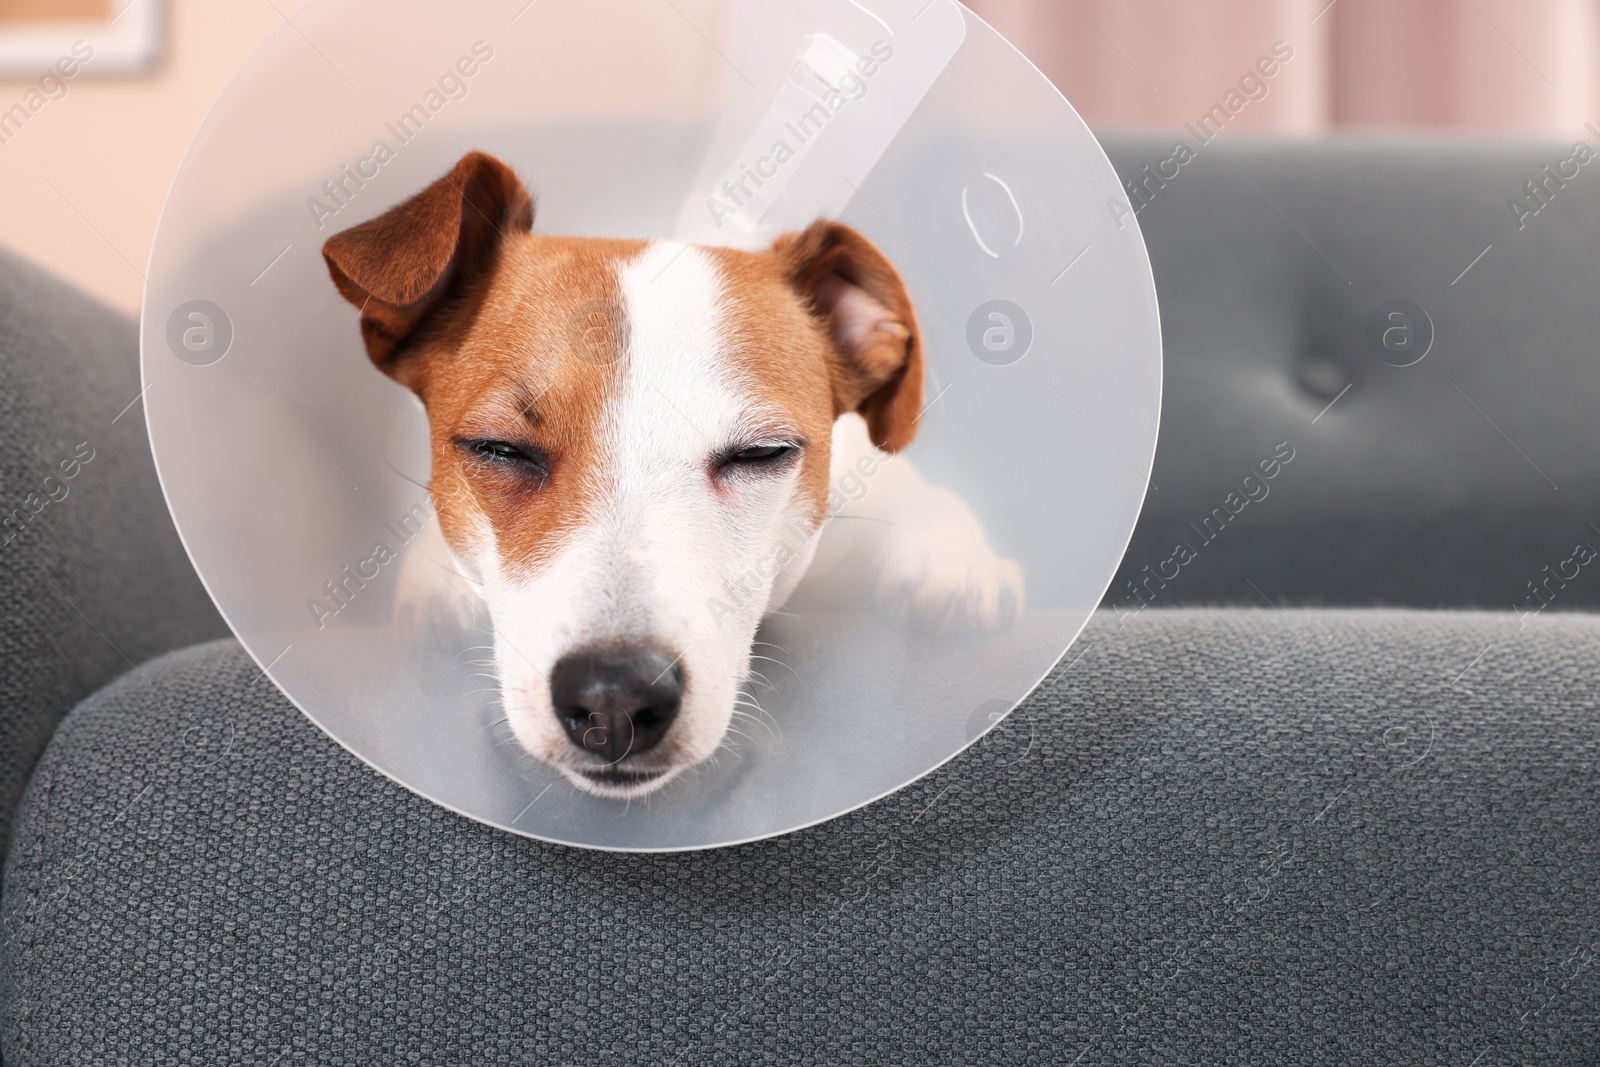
(656, 561)
(922, 552)
(669, 559)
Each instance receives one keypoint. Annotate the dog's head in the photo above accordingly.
(630, 446)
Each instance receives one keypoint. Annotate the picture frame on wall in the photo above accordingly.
(103, 37)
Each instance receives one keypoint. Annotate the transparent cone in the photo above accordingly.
(298, 475)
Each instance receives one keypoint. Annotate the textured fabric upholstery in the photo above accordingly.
(1216, 837)
(92, 577)
(1425, 486)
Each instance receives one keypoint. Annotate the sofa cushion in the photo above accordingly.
(1210, 837)
(92, 576)
(1457, 481)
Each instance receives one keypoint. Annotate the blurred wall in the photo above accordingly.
(84, 181)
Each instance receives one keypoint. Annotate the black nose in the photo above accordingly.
(617, 701)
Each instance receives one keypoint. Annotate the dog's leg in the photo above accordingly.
(434, 599)
(918, 548)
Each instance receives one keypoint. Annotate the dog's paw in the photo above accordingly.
(939, 573)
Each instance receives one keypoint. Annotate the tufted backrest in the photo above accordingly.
(1469, 479)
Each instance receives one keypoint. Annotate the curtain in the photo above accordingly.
(1520, 67)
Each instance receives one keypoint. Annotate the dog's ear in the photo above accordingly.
(399, 266)
(866, 309)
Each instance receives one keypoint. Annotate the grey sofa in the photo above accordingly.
(1324, 796)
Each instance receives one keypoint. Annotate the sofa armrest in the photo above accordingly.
(93, 578)
(1209, 837)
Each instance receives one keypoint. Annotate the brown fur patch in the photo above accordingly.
(513, 338)
(785, 353)
(850, 286)
(400, 267)
(513, 344)
(506, 367)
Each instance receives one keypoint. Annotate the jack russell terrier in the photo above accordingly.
(625, 436)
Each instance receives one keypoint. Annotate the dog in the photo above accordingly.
(632, 449)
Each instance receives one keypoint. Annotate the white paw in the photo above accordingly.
(939, 573)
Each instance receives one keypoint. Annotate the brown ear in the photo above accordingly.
(864, 305)
(399, 266)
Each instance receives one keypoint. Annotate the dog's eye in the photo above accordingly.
(763, 454)
(498, 450)
(504, 453)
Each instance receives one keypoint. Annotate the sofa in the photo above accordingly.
(1322, 792)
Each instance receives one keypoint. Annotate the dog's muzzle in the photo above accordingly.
(617, 702)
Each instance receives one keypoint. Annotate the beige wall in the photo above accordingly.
(20, 10)
(84, 181)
